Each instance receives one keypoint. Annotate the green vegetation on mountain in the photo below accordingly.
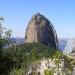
(21, 57)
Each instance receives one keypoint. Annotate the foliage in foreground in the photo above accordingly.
(48, 72)
(19, 58)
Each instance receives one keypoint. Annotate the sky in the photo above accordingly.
(17, 14)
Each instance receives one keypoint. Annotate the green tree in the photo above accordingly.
(1, 31)
(33, 54)
(1, 28)
(5, 62)
(4, 34)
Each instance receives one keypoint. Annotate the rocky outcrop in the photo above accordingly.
(41, 30)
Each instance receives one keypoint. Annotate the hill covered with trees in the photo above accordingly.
(18, 59)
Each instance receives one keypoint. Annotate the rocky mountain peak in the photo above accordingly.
(41, 30)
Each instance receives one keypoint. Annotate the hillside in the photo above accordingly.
(19, 58)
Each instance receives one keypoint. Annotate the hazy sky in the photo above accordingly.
(61, 13)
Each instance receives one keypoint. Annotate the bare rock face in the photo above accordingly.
(42, 31)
